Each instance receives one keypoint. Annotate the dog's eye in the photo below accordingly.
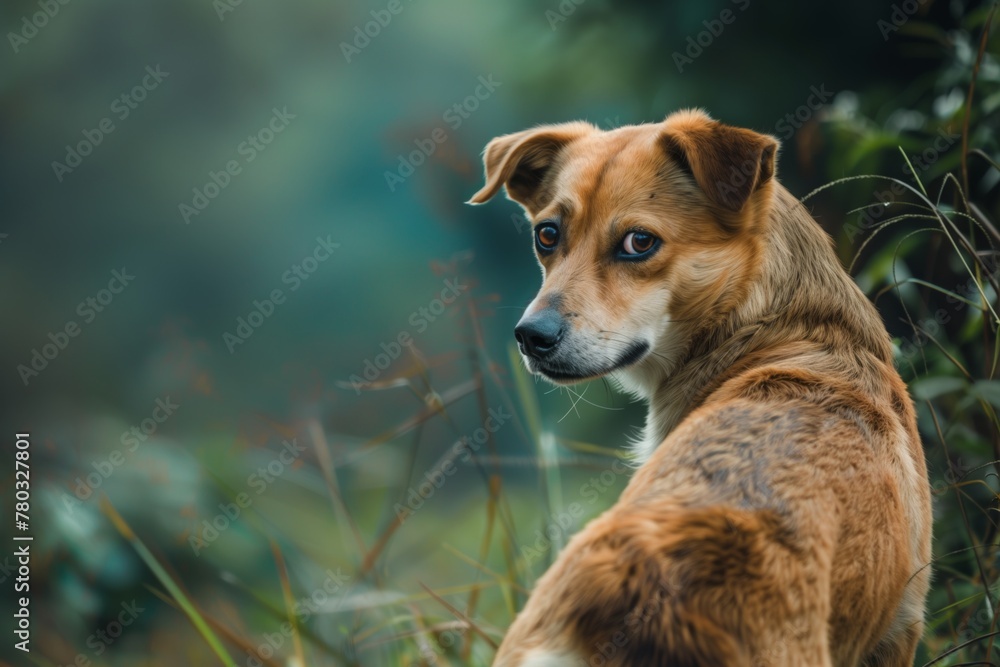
(546, 236)
(637, 243)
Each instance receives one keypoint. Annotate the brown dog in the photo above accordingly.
(782, 514)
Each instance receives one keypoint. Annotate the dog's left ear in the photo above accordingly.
(729, 163)
(521, 160)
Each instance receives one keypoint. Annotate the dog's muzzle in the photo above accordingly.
(538, 334)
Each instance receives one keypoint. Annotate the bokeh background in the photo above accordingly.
(309, 499)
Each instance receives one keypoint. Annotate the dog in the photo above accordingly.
(781, 512)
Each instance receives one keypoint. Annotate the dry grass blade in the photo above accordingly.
(462, 617)
(418, 633)
(961, 506)
(279, 615)
(590, 448)
(221, 628)
(445, 399)
(983, 39)
(371, 557)
(494, 481)
(318, 437)
(416, 368)
(286, 590)
(421, 639)
(959, 647)
(491, 506)
(153, 564)
(501, 578)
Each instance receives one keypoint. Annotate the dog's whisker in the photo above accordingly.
(573, 404)
(602, 407)
(627, 343)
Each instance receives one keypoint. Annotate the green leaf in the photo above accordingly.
(988, 390)
(926, 389)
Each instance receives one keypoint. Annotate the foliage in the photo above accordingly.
(926, 248)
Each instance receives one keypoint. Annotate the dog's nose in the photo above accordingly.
(538, 334)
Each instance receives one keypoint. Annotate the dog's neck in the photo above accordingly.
(778, 322)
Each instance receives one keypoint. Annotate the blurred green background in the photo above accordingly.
(270, 146)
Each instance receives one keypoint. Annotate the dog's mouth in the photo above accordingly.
(573, 371)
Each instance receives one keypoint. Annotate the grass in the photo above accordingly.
(435, 584)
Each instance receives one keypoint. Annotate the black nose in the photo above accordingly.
(540, 333)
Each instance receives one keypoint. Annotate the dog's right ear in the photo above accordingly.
(729, 163)
(521, 160)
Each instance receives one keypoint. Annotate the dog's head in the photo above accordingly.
(645, 234)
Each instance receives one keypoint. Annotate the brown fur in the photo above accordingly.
(782, 514)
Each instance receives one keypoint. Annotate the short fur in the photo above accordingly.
(782, 512)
